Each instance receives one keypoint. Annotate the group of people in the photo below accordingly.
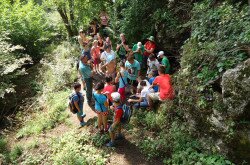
(123, 72)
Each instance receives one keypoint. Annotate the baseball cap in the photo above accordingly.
(116, 96)
(160, 53)
(139, 44)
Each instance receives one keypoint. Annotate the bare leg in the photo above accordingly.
(80, 118)
(100, 122)
(104, 120)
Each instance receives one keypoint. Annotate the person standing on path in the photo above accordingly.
(85, 69)
(149, 49)
(138, 50)
(84, 43)
(78, 100)
(133, 67)
(164, 62)
(122, 48)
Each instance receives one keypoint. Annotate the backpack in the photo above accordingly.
(71, 105)
(127, 113)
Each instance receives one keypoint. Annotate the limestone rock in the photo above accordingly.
(236, 89)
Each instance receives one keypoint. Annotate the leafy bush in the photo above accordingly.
(75, 148)
(56, 105)
(16, 153)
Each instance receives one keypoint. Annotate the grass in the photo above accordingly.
(56, 113)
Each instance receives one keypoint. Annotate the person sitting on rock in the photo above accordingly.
(116, 126)
(165, 86)
(142, 102)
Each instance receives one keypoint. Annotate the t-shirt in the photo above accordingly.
(166, 63)
(107, 57)
(123, 79)
(110, 89)
(118, 113)
(151, 80)
(122, 51)
(153, 65)
(166, 89)
(96, 52)
(99, 106)
(133, 69)
(85, 70)
(76, 97)
(138, 56)
(145, 91)
(149, 45)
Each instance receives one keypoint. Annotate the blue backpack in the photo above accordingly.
(127, 113)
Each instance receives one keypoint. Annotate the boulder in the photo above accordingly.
(236, 89)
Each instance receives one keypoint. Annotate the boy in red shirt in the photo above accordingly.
(163, 81)
(116, 126)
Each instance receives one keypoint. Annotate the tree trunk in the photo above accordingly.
(71, 15)
(65, 19)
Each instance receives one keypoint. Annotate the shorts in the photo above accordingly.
(105, 113)
(97, 61)
(155, 96)
(134, 83)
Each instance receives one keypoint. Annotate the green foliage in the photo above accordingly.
(56, 105)
(25, 24)
(100, 140)
(218, 41)
(16, 153)
(75, 148)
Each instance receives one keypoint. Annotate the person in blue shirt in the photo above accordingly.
(85, 69)
(78, 100)
(151, 77)
(101, 104)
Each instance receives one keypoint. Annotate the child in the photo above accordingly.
(78, 100)
(122, 77)
(95, 53)
(142, 101)
(116, 125)
(151, 77)
(101, 105)
(109, 88)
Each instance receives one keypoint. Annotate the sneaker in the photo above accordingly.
(119, 137)
(110, 144)
(83, 116)
(82, 124)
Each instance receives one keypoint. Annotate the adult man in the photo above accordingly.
(133, 67)
(166, 89)
(164, 62)
(108, 56)
(122, 48)
(149, 49)
(84, 43)
(85, 69)
(138, 50)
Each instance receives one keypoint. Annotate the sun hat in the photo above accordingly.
(160, 53)
(151, 38)
(116, 96)
(139, 44)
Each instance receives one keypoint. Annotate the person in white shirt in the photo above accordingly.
(109, 59)
(153, 64)
(139, 87)
(142, 101)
